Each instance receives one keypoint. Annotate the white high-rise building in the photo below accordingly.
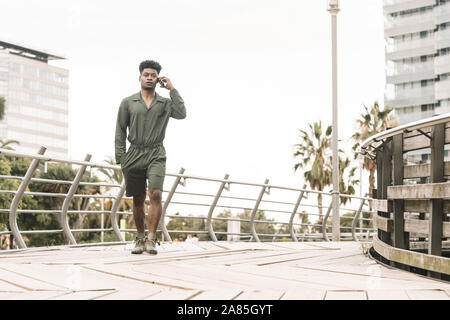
(417, 34)
(36, 96)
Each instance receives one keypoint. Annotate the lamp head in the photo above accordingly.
(333, 5)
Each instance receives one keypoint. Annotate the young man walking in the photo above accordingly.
(146, 115)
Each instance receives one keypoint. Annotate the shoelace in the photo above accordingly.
(138, 240)
(155, 241)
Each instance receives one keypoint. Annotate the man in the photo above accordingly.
(146, 115)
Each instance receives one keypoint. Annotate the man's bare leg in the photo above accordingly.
(154, 215)
(154, 210)
(139, 212)
(139, 220)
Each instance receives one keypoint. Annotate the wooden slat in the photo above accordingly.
(384, 224)
(420, 227)
(346, 295)
(417, 226)
(422, 170)
(419, 205)
(411, 258)
(423, 245)
(222, 294)
(304, 294)
(260, 295)
(410, 206)
(420, 191)
(174, 294)
(435, 294)
(387, 295)
(418, 141)
(382, 205)
(416, 171)
(82, 295)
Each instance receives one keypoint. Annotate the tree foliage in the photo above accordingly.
(372, 121)
(315, 158)
(221, 226)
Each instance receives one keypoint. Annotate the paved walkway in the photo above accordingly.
(209, 270)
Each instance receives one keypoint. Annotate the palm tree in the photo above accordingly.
(4, 144)
(114, 176)
(371, 121)
(347, 181)
(314, 153)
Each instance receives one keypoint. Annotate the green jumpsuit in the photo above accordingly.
(145, 159)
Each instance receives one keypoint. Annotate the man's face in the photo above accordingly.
(148, 78)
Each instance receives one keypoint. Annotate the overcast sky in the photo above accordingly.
(251, 73)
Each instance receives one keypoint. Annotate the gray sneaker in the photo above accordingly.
(150, 246)
(139, 246)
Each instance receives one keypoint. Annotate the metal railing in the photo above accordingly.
(183, 199)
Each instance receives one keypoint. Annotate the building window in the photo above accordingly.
(15, 67)
(423, 83)
(444, 51)
(30, 70)
(427, 107)
(423, 34)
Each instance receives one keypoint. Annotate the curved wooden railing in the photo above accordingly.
(413, 199)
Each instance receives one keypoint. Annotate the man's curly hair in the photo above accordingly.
(149, 64)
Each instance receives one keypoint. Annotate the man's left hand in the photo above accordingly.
(167, 83)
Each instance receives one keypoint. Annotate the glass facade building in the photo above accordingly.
(417, 34)
(36, 96)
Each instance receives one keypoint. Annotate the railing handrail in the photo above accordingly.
(411, 126)
(185, 176)
(180, 178)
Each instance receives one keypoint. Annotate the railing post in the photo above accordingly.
(102, 221)
(400, 237)
(166, 204)
(294, 212)
(18, 196)
(355, 220)
(324, 222)
(73, 188)
(255, 209)
(114, 208)
(437, 175)
(211, 210)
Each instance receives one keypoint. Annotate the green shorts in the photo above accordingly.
(140, 164)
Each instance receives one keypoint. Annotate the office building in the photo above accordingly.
(36, 96)
(417, 34)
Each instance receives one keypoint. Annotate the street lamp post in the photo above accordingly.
(333, 8)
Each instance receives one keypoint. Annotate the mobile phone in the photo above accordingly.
(163, 85)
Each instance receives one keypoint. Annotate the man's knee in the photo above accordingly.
(155, 195)
(138, 201)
